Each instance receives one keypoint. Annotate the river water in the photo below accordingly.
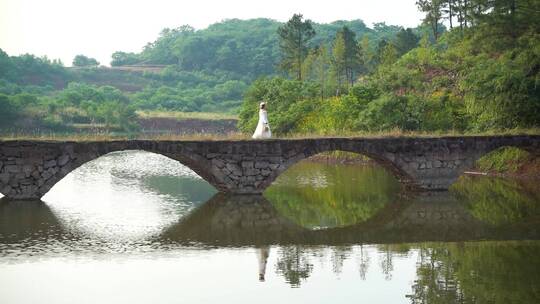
(136, 227)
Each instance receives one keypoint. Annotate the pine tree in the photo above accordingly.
(294, 38)
(338, 59)
(345, 53)
(433, 10)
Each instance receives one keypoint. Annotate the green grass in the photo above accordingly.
(503, 160)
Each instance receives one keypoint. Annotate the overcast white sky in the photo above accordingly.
(97, 28)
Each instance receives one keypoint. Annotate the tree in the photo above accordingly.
(322, 65)
(83, 61)
(405, 41)
(123, 58)
(351, 54)
(365, 54)
(345, 56)
(389, 55)
(294, 38)
(381, 46)
(433, 11)
(338, 59)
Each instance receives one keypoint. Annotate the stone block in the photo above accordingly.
(234, 169)
(27, 170)
(13, 168)
(212, 155)
(218, 163)
(251, 171)
(50, 163)
(274, 166)
(62, 160)
(247, 164)
(265, 172)
(261, 164)
(4, 178)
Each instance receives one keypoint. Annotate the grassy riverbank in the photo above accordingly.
(510, 162)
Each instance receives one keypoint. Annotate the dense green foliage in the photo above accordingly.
(205, 70)
(58, 110)
(482, 75)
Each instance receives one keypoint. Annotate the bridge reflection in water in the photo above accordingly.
(253, 221)
(437, 227)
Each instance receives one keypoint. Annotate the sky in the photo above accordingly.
(97, 28)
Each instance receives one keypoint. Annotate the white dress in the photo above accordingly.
(261, 131)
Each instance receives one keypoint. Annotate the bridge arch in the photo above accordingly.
(131, 165)
(33, 178)
(382, 160)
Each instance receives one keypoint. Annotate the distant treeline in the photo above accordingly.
(208, 70)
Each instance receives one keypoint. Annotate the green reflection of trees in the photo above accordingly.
(497, 201)
(488, 272)
(329, 195)
(294, 265)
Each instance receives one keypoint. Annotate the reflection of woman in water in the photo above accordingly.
(263, 127)
(262, 256)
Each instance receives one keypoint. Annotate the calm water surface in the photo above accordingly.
(136, 227)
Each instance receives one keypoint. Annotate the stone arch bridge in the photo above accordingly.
(28, 169)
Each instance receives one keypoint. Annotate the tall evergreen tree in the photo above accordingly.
(433, 11)
(346, 55)
(294, 38)
(366, 55)
(351, 54)
(316, 68)
(338, 60)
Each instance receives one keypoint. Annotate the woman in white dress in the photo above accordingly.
(263, 127)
